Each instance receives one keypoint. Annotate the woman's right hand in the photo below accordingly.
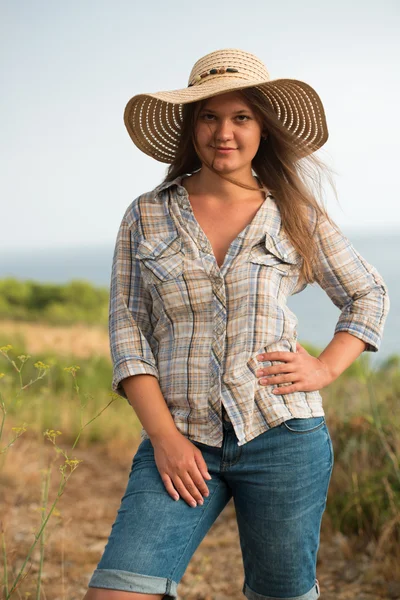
(182, 468)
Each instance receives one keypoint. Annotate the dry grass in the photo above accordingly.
(83, 341)
(75, 538)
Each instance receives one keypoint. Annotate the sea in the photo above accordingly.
(317, 315)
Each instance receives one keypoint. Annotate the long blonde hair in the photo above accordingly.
(281, 167)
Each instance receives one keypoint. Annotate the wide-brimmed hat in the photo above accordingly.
(154, 120)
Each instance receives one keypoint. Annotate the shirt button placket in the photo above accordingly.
(220, 329)
(183, 199)
(219, 342)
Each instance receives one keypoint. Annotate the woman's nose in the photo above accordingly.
(223, 130)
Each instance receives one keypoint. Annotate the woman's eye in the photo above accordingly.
(210, 115)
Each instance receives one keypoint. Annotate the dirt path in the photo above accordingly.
(76, 538)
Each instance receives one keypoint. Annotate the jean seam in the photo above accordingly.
(168, 583)
(316, 587)
(305, 430)
(225, 464)
(195, 529)
(331, 453)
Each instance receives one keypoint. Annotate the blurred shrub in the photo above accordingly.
(59, 304)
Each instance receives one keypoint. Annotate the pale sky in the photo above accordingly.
(69, 167)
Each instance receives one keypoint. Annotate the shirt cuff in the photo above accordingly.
(129, 367)
(362, 332)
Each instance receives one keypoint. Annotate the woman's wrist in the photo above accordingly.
(341, 352)
(164, 434)
(145, 396)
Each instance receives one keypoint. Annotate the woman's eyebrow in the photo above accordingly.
(243, 110)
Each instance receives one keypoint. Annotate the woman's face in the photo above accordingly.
(227, 121)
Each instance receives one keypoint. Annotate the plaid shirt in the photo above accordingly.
(198, 328)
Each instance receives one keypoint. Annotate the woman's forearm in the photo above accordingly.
(145, 396)
(341, 352)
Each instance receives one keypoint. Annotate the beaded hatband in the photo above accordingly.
(213, 72)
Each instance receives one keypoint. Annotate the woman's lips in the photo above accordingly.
(225, 150)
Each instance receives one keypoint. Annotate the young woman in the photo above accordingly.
(203, 345)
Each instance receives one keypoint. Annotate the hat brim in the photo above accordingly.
(154, 120)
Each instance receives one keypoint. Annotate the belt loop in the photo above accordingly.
(226, 422)
(317, 586)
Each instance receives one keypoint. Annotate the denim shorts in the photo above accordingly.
(279, 484)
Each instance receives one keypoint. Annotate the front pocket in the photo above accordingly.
(275, 252)
(299, 425)
(161, 259)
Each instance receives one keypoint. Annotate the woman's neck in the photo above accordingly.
(207, 183)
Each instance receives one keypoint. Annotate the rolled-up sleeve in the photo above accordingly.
(129, 314)
(353, 285)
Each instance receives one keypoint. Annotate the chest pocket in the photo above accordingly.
(161, 258)
(277, 253)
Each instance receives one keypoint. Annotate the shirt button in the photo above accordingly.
(204, 246)
(181, 191)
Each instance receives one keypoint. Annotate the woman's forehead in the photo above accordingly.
(231, 100)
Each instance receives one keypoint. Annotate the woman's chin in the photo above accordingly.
(224, 164)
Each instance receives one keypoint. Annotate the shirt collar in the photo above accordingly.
(177, 181)
(269, 223)
(271, 212)
(167, 184)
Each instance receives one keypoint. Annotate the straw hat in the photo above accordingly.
(154, 120)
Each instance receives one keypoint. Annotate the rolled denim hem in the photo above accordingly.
(313, 594)
(125, 581)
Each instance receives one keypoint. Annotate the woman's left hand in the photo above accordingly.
(304, 372)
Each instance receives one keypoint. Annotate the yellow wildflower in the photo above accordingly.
(5, 349)
(19, 430)
(72, 370)
(72, 462)
(51, 434)
(40, 365)
(24, 357)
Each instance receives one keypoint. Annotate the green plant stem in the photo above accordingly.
(3, 545)
(10, 443)
(38, 535)
(45, 498)
(4, 411)
(88, 423)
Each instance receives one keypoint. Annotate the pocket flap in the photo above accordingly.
(159, 247)
(274, 248)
